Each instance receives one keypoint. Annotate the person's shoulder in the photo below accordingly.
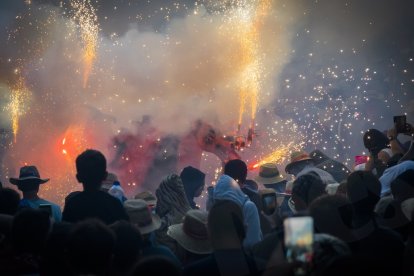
(73, 196)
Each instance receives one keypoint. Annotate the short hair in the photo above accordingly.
(9, 201)
(90, 246)
(30, 229)
(308, 187)
(236, 169)
(91, 168)
(363, 190)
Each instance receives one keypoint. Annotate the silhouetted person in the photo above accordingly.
(92, 202)
(374, 243)
(306, 188)
(90, 247)
(9, 201)
(28, 182)
(193, 180)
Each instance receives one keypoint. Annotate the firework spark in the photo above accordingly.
(87, 20)
(278, 156)
(18, 103)
(248, 22)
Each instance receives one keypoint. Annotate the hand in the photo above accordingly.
(392, 133)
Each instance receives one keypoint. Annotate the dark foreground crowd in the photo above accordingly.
(362, 219)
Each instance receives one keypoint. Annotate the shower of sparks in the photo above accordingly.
(247, 21)
(87, 20)
(278, 156)
(17, 106)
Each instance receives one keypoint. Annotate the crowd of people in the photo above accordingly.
(362, 219)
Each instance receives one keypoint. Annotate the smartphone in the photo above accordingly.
(47, 208)
(400, 123)
(269, 202)
(299, 240)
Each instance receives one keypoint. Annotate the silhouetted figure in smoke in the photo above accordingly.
(29, 231)
(92, 202)
(193, 180)
(28, 182)
(90, 248)
(374, 243)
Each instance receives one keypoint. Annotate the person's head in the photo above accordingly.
(128, 244)
(171, 197)
(193, 180)
(307, 188)
(90, 246)
(236, 169)
(91, 169)
(363, 190)
(30, 229)
(28, 180)
(192, 234)
(332, 214)
(403, 187)
(225, 225)
(375, 141)
(9, 201)
(156, 265)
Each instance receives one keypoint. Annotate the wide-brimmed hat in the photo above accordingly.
(140, 215)
(296, 158)
(28, 173)
(148, 197)
(407, 207)
(192, 234)
(269, 174)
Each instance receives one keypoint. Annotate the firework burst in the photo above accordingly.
(87, 20)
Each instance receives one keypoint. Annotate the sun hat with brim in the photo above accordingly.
(28, 173)
(192, 233)
(296, 158)
(407, 207)
(148, 197)
(141, 216)
(269, 174)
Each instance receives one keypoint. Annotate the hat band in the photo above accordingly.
(269, 175)
(197, 236)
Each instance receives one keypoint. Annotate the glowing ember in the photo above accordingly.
(85, 16)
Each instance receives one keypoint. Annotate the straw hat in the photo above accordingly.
(269, 174)
(296, 158)
(109, 181)
(148, 197)
(28, 173)
(192, 233)
(141, 216)
(407, 206)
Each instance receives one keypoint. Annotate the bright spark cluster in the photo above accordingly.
(87, 20)
(18, 104)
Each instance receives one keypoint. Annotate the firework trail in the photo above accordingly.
(87, 20)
